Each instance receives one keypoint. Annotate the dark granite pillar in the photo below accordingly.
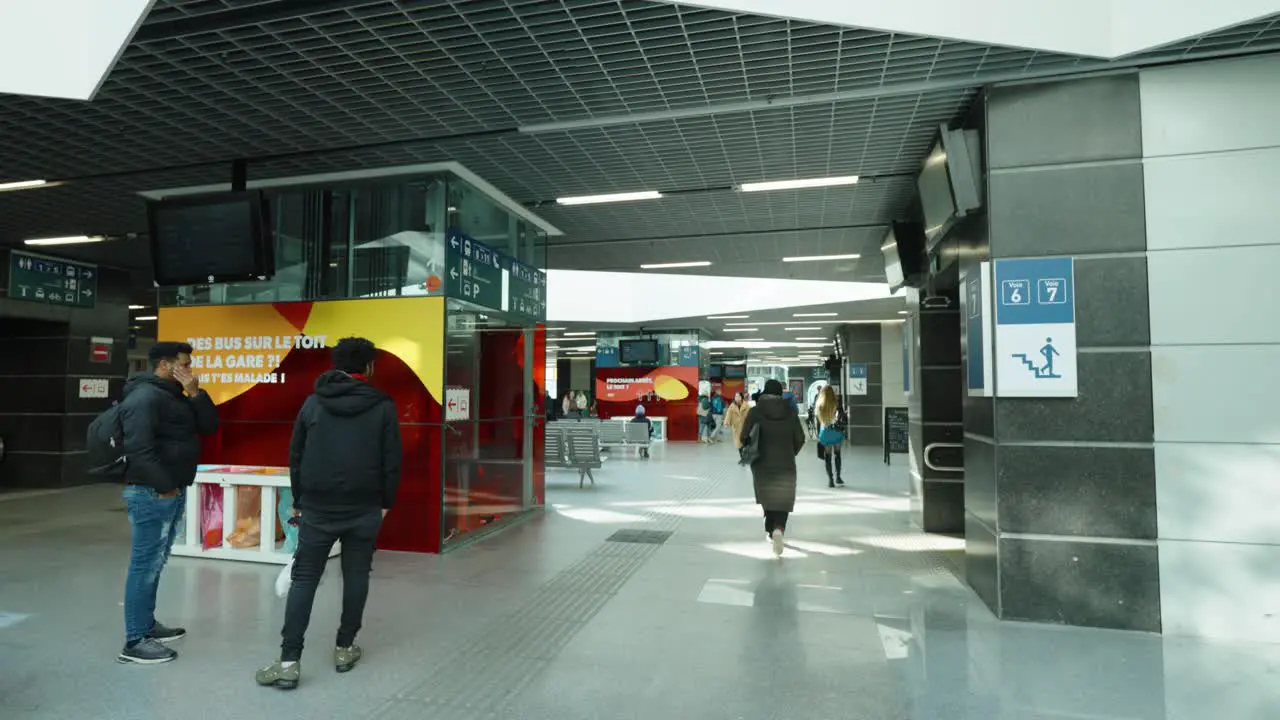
(935, 408)
(861, 345)
(1060, 492)
(45, 353)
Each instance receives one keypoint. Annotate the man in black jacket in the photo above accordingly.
(344, 466)
(163, 415)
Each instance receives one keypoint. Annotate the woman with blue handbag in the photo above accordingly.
(831, 424)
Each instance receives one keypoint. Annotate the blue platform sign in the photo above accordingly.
(857, 378)
(975, 304)
(1035, 353)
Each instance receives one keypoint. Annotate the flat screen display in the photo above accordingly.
(714, 372)
(638, 352)
(735, 372)
(210, 239)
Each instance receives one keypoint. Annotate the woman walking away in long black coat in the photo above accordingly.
(774, 472)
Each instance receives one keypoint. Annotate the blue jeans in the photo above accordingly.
(154, 521)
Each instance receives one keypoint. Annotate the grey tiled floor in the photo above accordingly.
(863, 618)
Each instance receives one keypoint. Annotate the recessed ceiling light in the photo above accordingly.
(751, 340)
(614, 197)
(903, 312)
(22, 185)
(665, 266)
(727, 317)
(814, 258)
(580, 334)
(142, 318)
(815, 315)
(137, 307)
(818, 339)
(555, 329)
(798, 184)
(797, 329)
(741, 329)
(71, 240)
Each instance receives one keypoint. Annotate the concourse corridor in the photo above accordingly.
(653, 594)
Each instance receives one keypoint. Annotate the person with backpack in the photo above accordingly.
(344, 470)
(152, 440)
(831, 424)
(717, 415)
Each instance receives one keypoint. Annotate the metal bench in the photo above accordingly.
(637, 435)
(613, 434)
(573, 445)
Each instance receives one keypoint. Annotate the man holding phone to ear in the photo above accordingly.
(162, 416)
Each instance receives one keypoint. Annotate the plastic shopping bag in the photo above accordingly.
(211, 516)
(248, 530)
(284, 580)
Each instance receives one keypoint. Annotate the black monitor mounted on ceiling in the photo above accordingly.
(212, 238)
(906, 260)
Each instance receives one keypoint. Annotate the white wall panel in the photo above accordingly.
(1211, 106)
(1223, 590)
(1216, 394)
(1218, 200)
(1223, 295)
(1223, 492)
(891, 365)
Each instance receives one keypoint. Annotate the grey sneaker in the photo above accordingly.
(278, 676)
(164, 633)
(345, 658)
(146, 652)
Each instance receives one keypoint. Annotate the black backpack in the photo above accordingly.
(104, 443)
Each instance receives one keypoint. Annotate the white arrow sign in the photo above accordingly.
(453, 273)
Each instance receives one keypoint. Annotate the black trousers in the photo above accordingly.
(358, 531)
(831, 452)
(775, 519)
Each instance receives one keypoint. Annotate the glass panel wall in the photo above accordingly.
(389, 238)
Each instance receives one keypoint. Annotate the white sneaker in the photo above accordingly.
(777, 543)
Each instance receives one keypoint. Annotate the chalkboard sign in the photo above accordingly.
(897, 433)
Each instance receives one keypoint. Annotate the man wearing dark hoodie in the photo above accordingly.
(344, 469)
(774, 471)
(162, 416)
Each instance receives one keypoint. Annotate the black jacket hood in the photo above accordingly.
(341, 394)
(149, 378)
(774, 407)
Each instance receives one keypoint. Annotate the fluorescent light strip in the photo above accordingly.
(579, 334)
(812, 338)
(815, 314)
(727, 317)
(72, 240)
(22, 185)
(741, 329)
(615, 197)
(798, 184)
(142, 318)
(797, 329)
(665, 266)
(816, 258)
(137, 307)
(816, 322)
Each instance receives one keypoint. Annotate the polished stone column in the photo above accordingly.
(934, 407)
(1060, 493)
(861, 345)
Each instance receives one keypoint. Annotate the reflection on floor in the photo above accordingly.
(561, 618)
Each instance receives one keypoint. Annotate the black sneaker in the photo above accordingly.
(166, 634)
(146, 652)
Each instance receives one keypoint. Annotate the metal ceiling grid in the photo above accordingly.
(754, 254)
(729, 211)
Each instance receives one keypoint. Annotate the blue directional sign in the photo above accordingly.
(52, 281)
(474, 271)
(977, 329)
(526, 290)
(1036, 328)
